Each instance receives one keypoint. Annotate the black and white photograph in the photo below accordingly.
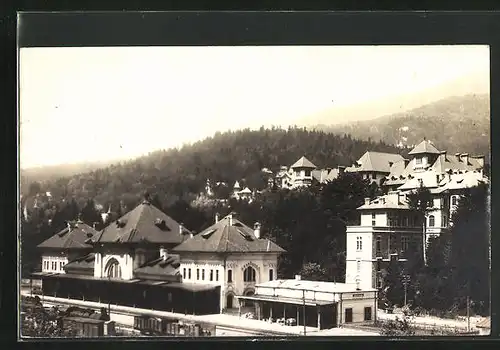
(254, 191)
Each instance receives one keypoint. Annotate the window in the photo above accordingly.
(211, 275)
(348, 315)
(405, 221)
(358, 266)
(189, 274)
(454, 200)
(61, 264)
(445, 221)
(271, 274)
(379, 283)
(368, 313)
(374, 176)
(405, 243)
(113, 269)
(184, 273)
(249, 274)
(198, 274)
(359, 243)
(297, 173)
(418, 161)
(230, 275)
(203, 274)
(378, 244)
(217, 275)
(54, 265)
(432, 221)
(308, 172)
(373, 219)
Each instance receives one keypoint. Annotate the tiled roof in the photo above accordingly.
(376, 161)
(392, 200)
(426, 147)
(460, 181)
(303, 162)
(85, 262)
(225, 238)
(144, 223)
(318, 286)
(160, 267)
(452, 162)
(399, 173)
(325, 175)
(76, 237)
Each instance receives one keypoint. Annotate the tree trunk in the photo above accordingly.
(424, 240)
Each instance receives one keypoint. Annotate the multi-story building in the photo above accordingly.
(389, 228)
(231, 255)
(303, 173)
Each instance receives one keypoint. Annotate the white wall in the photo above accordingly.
(237, 263)
(380, 219)
(54, 263)
(364, 256)
(126, 262)
(358, 308)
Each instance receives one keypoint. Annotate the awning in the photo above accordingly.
(295, 301)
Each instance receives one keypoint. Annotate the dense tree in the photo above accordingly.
(314, 272)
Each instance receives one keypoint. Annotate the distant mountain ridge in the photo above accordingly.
(454, 124)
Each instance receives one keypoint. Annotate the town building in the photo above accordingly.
(68, 244)
(375, 166)
(390, 229)
(129, 263)
(303, 173)
(317, 304)
(231, 255)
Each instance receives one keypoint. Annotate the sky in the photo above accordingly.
(97, 104)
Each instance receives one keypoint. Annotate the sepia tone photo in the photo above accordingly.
(254, 191)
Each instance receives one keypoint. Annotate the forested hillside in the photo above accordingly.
(225, 157)
(455, 124)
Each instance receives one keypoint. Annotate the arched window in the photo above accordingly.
(229, 301)
(113, 269)
(249, 274)
(432, 221)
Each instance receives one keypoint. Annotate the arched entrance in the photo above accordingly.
(249, 293)
(229, 301)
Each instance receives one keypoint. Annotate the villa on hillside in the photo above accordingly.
(303, 173)
(375, 166)
(388, 228)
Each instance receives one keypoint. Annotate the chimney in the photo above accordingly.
(465, 157)
(181, 228)
(94, 225)
(230, 217)
(69, 226)
(341, 169)
(256, 230)
(367, 201)
(216, 217)
(390, 164)
(297, 277)
(163, 253)
(457, 155)
(480, 160)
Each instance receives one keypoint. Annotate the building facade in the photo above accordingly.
(231, 255)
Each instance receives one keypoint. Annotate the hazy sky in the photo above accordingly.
(92, 104)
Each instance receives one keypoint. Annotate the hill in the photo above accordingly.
(455, 124)
(225, 157)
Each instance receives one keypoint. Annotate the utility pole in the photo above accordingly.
(406, 280)
(468, 314)
(304, 309)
